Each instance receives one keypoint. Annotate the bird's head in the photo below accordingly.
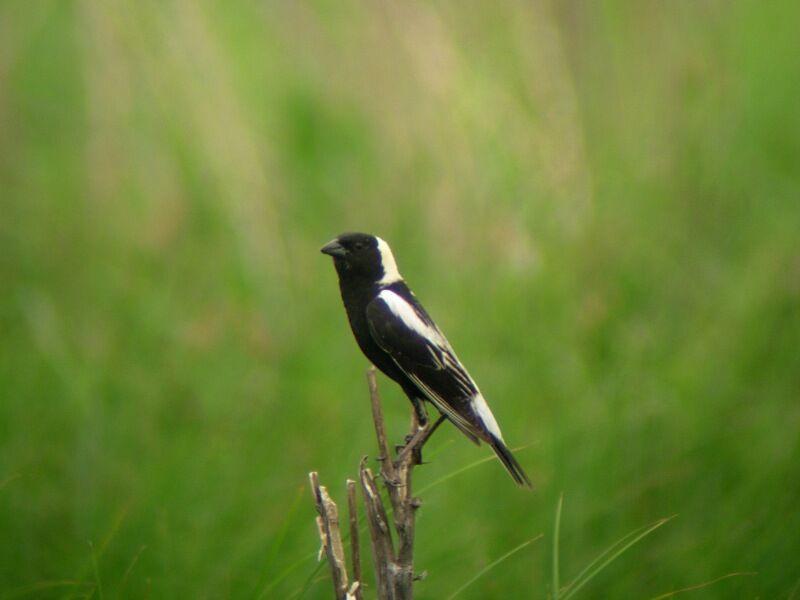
(363, 256)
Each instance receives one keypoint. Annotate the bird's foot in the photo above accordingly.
(416, 452)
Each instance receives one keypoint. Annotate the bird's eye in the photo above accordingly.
(358, 246)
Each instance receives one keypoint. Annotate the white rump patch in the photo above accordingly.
(390, 272)
(482, 410)
(406, 313)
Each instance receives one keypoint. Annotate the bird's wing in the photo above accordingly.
(405, 331)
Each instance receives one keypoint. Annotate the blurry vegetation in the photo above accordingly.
(599, 201)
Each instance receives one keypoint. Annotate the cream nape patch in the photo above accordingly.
(390, 272)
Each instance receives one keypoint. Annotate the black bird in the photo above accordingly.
(399, 338)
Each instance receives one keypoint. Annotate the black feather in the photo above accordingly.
(509, 462)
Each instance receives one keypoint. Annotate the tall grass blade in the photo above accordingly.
(431, 454)
(492, 565)
(96, 570)
(279, 539)
(311, 580)
(288, 570)
(35, 589)
(605, 553)
(609, 556)
(556, 536)
(700, 586)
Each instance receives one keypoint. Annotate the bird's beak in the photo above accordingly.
(333, 248)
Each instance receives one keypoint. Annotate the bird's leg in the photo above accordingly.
(419, 419)
(414, 443)
(419, 422)
(429, 431)
(421, 413)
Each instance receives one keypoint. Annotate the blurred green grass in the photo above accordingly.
(600, 202)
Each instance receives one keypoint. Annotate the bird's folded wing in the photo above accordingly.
(418, 347)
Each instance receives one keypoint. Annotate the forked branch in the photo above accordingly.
(393, 560)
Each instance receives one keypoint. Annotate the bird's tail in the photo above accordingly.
(509, 462)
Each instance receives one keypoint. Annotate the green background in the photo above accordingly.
(599, 202)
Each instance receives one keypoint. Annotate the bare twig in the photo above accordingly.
(387, 466)
(397, 478)
(330, 535)
(394, 560)
(354, 543)
(379, 534)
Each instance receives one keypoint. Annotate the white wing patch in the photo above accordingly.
(482, 409)
(390, 272)
(406, 313)
(447, 359)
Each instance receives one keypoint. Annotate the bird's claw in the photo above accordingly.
(416, 453)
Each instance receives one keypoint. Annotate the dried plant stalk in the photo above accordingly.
(393, 560)
(330, 535)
